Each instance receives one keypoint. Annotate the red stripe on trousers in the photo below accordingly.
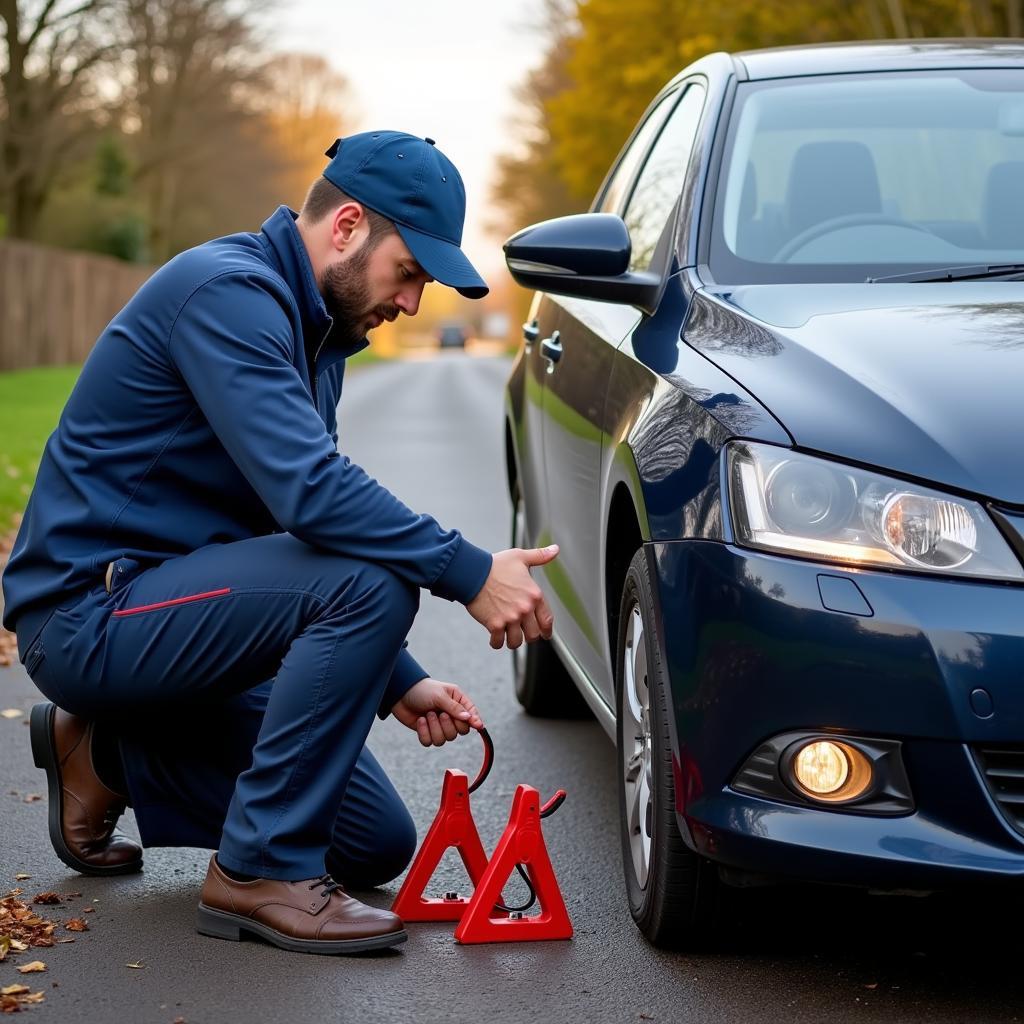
(168, 604)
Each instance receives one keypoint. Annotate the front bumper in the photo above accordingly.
(752, 651)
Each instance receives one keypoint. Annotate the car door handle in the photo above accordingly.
(551, 349)
(531, 332)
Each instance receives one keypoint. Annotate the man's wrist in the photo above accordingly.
(465, 575)
(411, 685)
(406, 672)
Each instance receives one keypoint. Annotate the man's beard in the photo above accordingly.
(346, 294)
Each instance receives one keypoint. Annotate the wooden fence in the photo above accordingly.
(54, 304)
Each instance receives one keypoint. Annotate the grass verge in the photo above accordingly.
(30, 405)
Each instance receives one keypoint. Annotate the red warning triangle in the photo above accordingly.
(521, 843)
(453, 826)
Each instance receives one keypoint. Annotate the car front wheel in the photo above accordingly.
(673, 892)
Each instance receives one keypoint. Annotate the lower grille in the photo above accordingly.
(1003, 768)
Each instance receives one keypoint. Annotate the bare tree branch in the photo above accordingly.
(46, 76)
(41, 23)
(184, 74)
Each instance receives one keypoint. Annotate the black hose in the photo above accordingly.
(485, 768)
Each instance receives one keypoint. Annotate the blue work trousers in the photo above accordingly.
(242, 680)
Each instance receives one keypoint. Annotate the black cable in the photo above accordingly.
(529, 903)
(546, 811)
(485, 768)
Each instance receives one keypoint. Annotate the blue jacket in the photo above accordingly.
(197, 420)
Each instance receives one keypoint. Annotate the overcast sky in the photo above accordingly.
(439, 68)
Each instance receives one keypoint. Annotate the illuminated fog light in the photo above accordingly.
(822, 768)
(831, 771)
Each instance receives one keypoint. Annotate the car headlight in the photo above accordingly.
(793, 503)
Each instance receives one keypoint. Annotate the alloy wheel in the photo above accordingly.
(518, 541)
(636, 748)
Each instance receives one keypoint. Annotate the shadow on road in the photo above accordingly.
(959, 951)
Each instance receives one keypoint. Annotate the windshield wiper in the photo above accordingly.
(973, 272)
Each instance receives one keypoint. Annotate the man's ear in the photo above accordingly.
(348, 226)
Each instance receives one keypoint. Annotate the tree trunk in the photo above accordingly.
(984, 17)
(899, 19)
(16, 95)
(875, 20)
(21, 208)
(1015, 18)
(968, 26)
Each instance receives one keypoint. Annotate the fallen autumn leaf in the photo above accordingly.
(76, 924)
(36, 967)
(12, 712)
(12, 1002)
(22, 925)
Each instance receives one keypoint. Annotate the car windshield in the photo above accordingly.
(846, 177)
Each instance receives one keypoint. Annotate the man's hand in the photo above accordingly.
(510, 605)
(438, 711)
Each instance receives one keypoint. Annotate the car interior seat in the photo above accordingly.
(750, 233)
(1003, 206)
(830, 179)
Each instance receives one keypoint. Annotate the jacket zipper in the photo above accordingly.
(312, 376)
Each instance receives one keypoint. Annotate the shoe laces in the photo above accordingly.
(329, 884)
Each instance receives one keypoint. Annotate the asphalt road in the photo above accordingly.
(431, 431)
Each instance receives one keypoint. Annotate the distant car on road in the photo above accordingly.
(769, 404)
(451, 335)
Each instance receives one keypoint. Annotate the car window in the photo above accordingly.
(845, 177)
(661, 179)
(617, 189)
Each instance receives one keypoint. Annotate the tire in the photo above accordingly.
(673, 893)
(543, 687)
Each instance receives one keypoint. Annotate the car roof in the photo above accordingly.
(884, 55)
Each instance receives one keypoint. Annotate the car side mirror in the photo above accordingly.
(585, 255)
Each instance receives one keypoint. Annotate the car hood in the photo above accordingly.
(926, 380)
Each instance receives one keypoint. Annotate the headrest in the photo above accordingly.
(830, 179)
(1003, 206)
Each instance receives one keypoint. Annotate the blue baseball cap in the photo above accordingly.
(411, 182)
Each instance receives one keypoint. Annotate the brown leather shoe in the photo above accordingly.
(83, 811)
(313, 916)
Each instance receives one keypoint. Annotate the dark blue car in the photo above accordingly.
(771, 405)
